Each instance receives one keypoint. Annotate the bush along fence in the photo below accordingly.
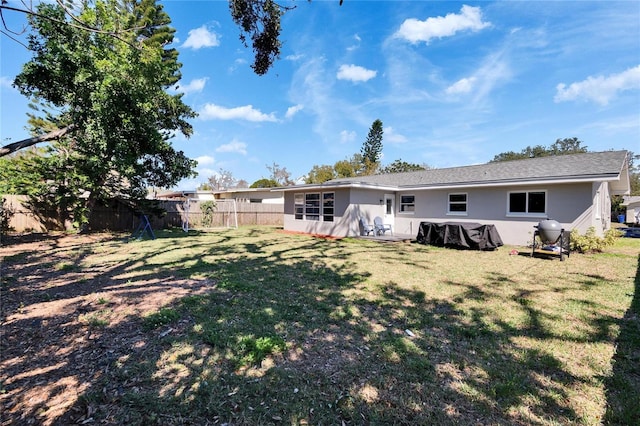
(118, 216)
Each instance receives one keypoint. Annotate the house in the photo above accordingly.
(632, 205)
(514, 196)
(241, 195)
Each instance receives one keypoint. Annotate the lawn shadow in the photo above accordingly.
(271, 330)
(623, 386)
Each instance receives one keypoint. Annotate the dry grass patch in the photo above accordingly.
(255, 326)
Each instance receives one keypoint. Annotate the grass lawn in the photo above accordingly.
(255, 326)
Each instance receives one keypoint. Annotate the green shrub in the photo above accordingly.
(590, 242)
(253, 351)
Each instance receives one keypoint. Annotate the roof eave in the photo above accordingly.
(511, 182)
(336, 185)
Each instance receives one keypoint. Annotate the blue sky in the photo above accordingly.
(454, 83)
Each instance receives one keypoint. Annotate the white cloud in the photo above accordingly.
(247, 112)
(195, 85)
(233, 146)
(461, 86)
(347, 136)
(205, 160)
(414, 30)
(294, 58)
(201, 37)
(389, 135)
(355, 73)
(355, 46)
(312, 85)
(493, 72)
(599, 89)
(6, 82)
(237, 63)
(293, 110)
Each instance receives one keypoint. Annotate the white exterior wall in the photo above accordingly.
(633, 212)
(568, 204)
(350, 205)
(573, 205)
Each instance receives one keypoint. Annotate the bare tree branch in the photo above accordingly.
(25, 143)
(75, 22)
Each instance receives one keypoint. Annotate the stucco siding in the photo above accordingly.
(337, 227)
(568, 204)
(579, 206)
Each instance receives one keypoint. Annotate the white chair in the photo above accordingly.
(366, 228)
(379, 227)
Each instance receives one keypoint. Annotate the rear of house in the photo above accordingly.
(514, 196)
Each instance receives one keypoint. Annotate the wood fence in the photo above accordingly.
(119, 217)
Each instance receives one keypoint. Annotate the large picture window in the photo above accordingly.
(407, 203)
(312, 206)
(457, 204)
(327, 206)
(528, 202)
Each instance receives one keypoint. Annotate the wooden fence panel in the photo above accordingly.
(22, 219)
(119, 217)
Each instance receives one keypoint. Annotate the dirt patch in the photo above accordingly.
(63, 326)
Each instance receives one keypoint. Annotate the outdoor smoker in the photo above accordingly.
(553, 239)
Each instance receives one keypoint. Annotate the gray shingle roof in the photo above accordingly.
(593, 165)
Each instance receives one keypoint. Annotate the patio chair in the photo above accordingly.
(365, 228)
(379, 227)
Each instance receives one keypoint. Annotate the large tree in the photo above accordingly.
(258, 20)
(112, 92)
(280, 175)
(320, 174)
(222, 180)
(372, 148)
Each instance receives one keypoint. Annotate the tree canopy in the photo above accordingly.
(569, 146)
(264, 183)
(399, 166)
(559, 147)
(112, 92)
(260, 21)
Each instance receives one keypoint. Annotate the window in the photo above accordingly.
(312, 206)
(530, 202)
(298, 206)
(327, 206)
(407, 203)
(457, 204)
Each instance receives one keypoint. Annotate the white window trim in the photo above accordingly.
(295, 195)
(526, 214)
(400, 211)
(333, 215)
(466, 203)
(319, 214)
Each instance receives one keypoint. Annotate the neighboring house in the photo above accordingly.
(241, 195)
(514, 196)
(633, 209)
